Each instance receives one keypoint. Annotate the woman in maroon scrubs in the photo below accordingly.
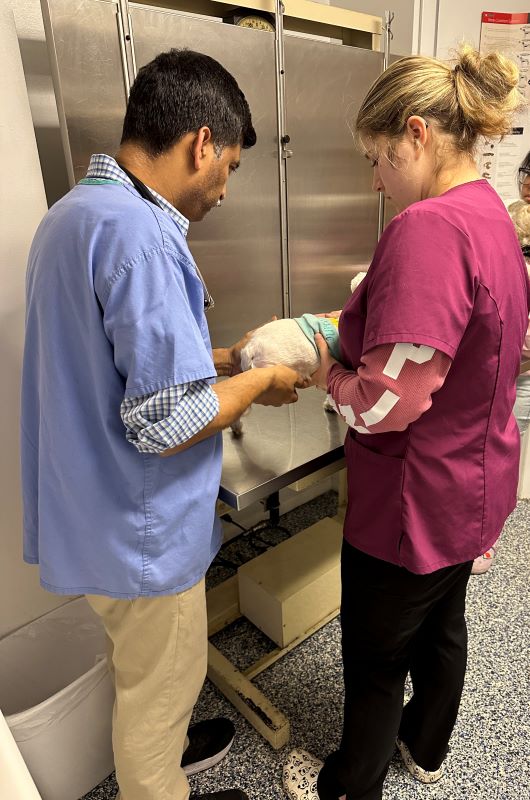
(431, 345)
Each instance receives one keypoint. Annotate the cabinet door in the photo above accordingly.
(88, 79)
(332, 209)
(237, 246)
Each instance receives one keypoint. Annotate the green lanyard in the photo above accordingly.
(98, 181)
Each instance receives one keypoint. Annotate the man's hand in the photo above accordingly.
(284, 382)
(228, 360)
(235, 353)
(320, 377)
(332, 314)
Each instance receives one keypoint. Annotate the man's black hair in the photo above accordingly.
(179, 92)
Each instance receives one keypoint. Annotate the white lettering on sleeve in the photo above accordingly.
(349, 416)
(406, 352)
(372, 416)
(384, 405)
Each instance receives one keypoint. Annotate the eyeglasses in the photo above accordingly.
(522, 174)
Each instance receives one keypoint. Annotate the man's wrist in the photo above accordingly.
(223, 361)
(262, 379)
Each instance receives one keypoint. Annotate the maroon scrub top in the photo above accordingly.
(448, 273)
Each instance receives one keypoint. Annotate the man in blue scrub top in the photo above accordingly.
(119, 371)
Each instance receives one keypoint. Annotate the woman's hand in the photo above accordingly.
(332, 314)
(320, 377)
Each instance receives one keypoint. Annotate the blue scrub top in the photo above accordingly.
(114, 309)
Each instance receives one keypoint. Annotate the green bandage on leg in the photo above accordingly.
(327, 326)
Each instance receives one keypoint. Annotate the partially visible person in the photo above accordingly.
(121, 412)
(523, 176)
(520, 214)
(431, 345)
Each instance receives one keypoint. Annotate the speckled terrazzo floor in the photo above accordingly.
(489, 757)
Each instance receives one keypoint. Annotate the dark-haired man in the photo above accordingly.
(118, 371)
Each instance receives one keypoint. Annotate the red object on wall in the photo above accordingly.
(505, 19)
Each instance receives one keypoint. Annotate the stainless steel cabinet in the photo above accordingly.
(332, 209)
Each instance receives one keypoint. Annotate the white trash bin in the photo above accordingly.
(57, 696)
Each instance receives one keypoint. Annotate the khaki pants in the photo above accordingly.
(157, 655)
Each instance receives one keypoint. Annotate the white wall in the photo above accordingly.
(22, 205)
(442, 24)
(459, 20)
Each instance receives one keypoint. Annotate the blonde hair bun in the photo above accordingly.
(520, 214)
(472, 96)
(487, 91)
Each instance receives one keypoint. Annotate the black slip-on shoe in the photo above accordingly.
(227, 794)
(210, 741)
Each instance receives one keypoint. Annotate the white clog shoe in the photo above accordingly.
(422, 775)
(300, 775)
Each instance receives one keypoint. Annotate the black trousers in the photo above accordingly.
(393, 622)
